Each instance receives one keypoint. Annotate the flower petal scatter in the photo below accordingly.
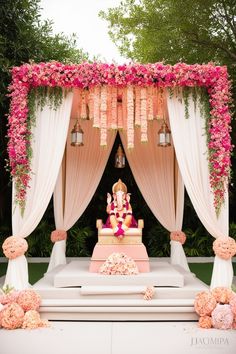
(222, 317)
(178, 236)
(91, 76)
(58, 235)
(204, 303)
(14, 247)
(119, 264)
(29, 300)
(224, 247)
(18, 309)
(149, 293)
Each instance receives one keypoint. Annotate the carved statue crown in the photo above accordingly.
(119, 186)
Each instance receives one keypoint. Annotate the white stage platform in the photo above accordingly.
(76, 274)
(117, 298)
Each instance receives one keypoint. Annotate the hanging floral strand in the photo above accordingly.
(143, 95)
(91, 103)
(119, 109)
(114, 107)
(96, 107)
(137, 106)
(103, 113)
(84, 113)
(150, 103)
(130, 117)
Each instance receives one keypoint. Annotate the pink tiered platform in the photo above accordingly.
(131, 245)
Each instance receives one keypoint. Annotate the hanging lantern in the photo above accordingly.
(120, 158)
(164, 135)
(77, 135)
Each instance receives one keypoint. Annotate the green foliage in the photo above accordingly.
(79, 241)
(157, 241)
(174, 30)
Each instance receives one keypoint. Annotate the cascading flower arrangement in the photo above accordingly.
(144, 79)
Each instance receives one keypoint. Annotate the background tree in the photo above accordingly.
(24, 37)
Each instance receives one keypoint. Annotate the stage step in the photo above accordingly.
(117, 302)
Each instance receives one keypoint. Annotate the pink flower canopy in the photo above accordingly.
(105, 77)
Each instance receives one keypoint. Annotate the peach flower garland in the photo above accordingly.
(224, 247)
(14, 246)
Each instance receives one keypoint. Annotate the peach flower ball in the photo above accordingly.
(205, 322)
(12, 316)
(14, 246)
(58, 235)
(204, 303)
(222, 317)
(224, 247)
(222, 294)
(29, 300)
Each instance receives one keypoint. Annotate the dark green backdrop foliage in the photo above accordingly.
(146, 31)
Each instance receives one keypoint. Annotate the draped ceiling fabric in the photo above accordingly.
(159, 180)
(77, 181)
(48, 143)
(191, 150)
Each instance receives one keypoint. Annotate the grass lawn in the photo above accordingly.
(203, 271)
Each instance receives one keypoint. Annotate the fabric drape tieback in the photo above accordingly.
(58, 235)
(178, 236)
(224, 247)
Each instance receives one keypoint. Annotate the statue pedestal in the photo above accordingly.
(131, 245)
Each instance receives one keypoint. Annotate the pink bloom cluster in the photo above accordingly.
(18, 309)
(178, 236)
(224, 247)
(58, 235)
(216, 308)
(119, 264)
(14, 246)
(89, 75)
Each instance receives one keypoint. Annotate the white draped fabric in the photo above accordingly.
(77, 182)
(48, 143)
(191, 150)
(154, 170)
(177, 254)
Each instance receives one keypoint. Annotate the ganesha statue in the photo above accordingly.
(119, 209)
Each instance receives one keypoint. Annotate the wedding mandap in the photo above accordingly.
(50, 102)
